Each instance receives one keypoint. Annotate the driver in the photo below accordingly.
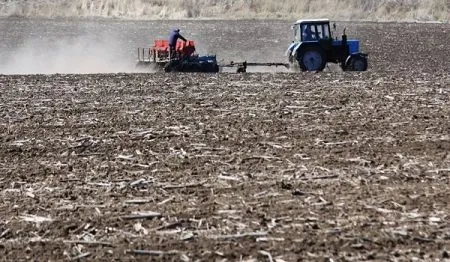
(173, 38)
(308, 34)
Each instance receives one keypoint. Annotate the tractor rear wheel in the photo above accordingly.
(357, 63)
(312, 58)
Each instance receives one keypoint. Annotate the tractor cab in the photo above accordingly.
(312, 30)
(313, 47)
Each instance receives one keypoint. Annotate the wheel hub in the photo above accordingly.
(312, 60)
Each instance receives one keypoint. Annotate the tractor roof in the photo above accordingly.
(312, 21)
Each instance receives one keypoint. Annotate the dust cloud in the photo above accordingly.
(80, 55)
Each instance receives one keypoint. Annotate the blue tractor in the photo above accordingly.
(313, 47)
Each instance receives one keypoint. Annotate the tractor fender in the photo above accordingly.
(291, 48)
(358, 54)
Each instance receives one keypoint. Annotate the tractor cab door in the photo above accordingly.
(324, 36)
(323, 31)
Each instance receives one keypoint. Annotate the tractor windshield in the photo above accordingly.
(297, 33)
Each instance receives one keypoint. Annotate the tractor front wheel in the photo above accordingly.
(357, 63)
(312, 59)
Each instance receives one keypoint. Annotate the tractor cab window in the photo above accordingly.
(323, 31)
(308, 32)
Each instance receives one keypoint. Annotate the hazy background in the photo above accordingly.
(375, 10)
(37, 45)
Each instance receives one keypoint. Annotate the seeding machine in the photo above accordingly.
(313, 47)
(186, 59)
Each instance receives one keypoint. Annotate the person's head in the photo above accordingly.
(177, 30)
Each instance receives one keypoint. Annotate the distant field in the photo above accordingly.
(376, 10)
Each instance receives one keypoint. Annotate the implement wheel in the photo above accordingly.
(190, 68)
(172, 66)
(311, 58)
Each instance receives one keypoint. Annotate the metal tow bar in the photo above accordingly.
(242, 66)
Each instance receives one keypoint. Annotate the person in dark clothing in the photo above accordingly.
(308, 35)
(173, 38)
